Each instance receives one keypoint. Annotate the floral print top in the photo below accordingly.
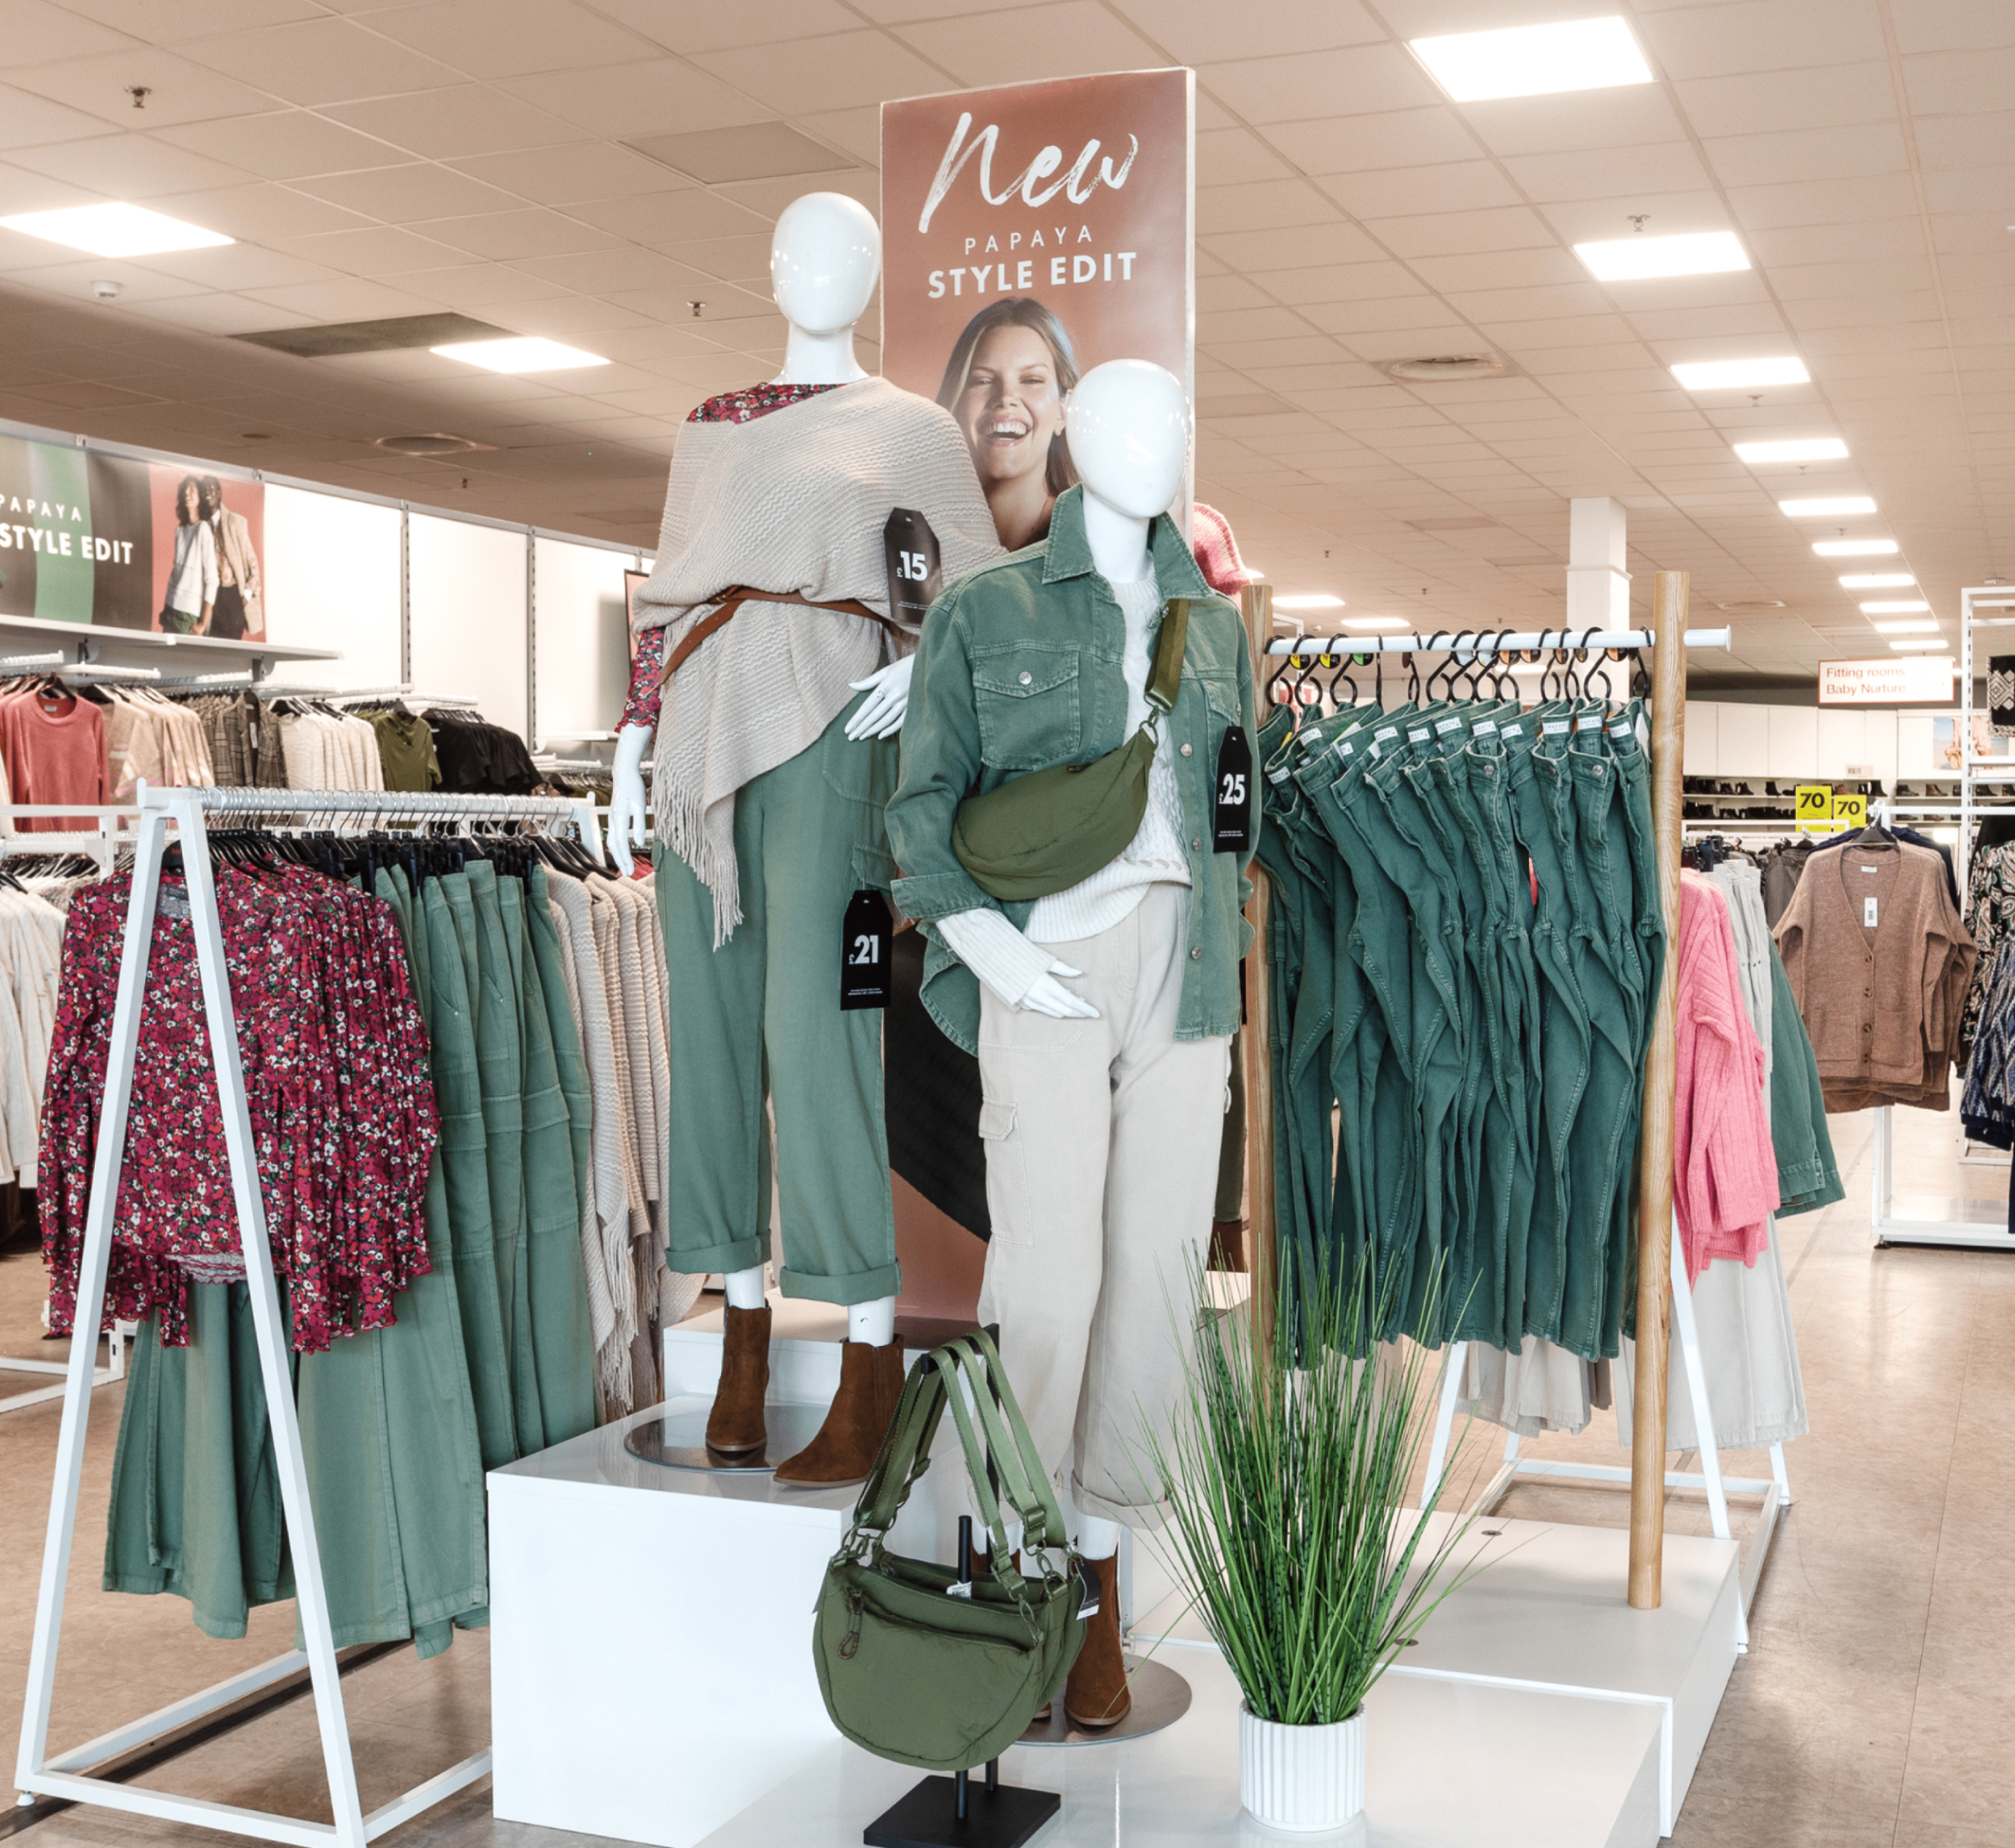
(744, 406)
(338, 1089)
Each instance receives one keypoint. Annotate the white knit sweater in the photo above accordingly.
(796, 501)
(1010, 962)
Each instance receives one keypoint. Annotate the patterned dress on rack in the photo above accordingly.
(1991, 917)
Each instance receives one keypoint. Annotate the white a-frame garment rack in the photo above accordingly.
(68, 1774)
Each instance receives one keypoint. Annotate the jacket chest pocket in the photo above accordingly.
(1028, 703)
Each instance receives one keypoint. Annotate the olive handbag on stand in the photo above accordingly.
(916, 1663)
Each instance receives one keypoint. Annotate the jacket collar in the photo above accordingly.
(1067, 554)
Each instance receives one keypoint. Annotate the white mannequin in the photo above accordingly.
(825, 258)
(1128, 427)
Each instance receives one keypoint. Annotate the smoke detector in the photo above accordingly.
(1444, 367)
(433, 442)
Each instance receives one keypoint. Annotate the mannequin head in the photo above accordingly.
(824, 261)
(1127, 426)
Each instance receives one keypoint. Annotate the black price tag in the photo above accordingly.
(915, 574)
(866, 960)
(1233, 831)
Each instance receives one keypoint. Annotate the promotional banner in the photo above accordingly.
(1029, 233)
(90, 537)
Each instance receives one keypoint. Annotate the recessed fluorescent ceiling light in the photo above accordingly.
(1853, 548)
(1740, 374)
(1692, 253)
(1904, 628)
(1315, 602)
(1893, 609)
(1804, 449)
(115, 230)
(529, 354)
(1376, 622)
(1875, 580)
(1534, 60)
(1827, 505)
(1916, 647)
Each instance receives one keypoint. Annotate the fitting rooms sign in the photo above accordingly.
(1912, 680)
(1041, 227)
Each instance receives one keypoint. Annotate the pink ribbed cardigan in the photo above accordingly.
(1725, 1171)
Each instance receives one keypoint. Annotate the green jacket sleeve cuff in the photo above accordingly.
(931, 895)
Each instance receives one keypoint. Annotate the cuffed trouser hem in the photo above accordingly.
(1143, 1517)
(736, 1255)
(857, 1286)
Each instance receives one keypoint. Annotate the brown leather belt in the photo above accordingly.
(733, 597)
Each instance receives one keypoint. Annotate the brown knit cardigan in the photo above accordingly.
(1881, 1005)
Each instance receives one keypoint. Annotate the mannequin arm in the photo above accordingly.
(627, 797)
(1019, 972)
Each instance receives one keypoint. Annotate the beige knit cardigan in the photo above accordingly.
(796, 501)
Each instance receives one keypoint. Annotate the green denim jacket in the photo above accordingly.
(1019, 669)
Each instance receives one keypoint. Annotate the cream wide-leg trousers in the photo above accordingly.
(1102, 1140)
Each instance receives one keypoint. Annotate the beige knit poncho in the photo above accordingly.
(795, 501)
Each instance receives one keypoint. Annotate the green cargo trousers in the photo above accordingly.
(759, 1018)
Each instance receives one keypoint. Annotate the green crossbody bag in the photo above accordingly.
(914, 1666)
(1043, 833)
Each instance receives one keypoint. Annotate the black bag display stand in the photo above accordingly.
(951, 1812)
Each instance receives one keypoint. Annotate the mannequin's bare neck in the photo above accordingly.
(1118, 541)
(819, 358)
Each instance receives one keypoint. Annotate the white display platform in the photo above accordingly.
(1451, 1766)
(653, 1680)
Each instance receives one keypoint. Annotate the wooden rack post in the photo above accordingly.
(1661, 1083)
(1255, 1037)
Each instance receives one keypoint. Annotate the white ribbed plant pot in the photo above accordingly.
(1306, 1779)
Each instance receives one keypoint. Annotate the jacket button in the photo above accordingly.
(1867, 1026)
(1196, 955)
(1027, 678)
(1196, 843)
(1866, 993)
(1186, 749)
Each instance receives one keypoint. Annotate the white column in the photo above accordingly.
(1598, 578)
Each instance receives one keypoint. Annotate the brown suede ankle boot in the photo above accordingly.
(734, 1426)
(870, 1383)
(1096, 1695)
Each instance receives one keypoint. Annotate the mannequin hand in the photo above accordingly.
(626, 798)
(1050, 996)
(880, 714)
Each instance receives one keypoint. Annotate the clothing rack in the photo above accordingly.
(1669, 639)
(68, 1775)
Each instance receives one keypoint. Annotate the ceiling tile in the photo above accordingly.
(402, 195)
(285, 145)
(838, 70)
(510, 38)
(1344, 282)
(1192, 31)
(644, 96)
(1291, 89)
(318, 61)
(504, 235)
(1808, 154)
(471, 285)
(1588, 122)
(688, 26)
(1024, 45)
(265, 212)
(465, 120)
(352, 298)
(1463, 186)
(1261, 205)
(1361, 144)
(672, 217)
(1959, 83)
(1229, 157)
(1824, 202)
(1351, 317)
(374, 250)
(179, 90)
(1662, 167)
(1763, 35)
(568, 175)
(1445, 233)
(26, 119)
(1831, 97)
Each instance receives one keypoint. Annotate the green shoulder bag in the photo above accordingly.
(1043, 833)
(914, 1666)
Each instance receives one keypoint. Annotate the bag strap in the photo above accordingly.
(1166, 680)
(1013, 1448)
(905, 1452)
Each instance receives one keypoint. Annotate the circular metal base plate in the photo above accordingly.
(1161, 1697)
(678, 1440)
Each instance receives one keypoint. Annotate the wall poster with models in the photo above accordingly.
(1029, 233)
(93, 537)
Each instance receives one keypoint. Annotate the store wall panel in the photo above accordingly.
(1742, 741)
(1842, 741)
(1701, 756)
(468, 616)
(332, 569)
(1792, 746)
(582, 637)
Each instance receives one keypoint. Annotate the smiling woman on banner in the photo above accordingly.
(1010, 371)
